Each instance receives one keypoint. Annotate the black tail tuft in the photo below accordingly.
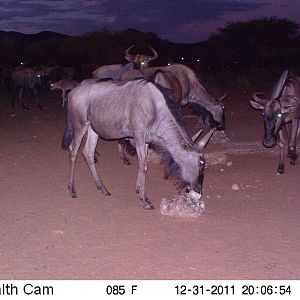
(68, 135)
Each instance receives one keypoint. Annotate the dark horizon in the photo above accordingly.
(178, 21)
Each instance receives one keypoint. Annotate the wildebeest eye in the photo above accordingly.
(279, 115)
(185, 145)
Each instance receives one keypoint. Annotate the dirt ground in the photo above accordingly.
(249, 230)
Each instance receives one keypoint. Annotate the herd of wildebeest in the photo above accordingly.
(140, 107)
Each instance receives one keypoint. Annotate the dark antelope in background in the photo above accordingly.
(145, 114)
(281, 115)
(25, 79)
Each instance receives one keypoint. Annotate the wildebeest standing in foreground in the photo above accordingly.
(25, 79)
(144, 113)
(281, 114)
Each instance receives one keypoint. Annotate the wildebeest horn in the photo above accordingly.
(129, 56)
(258, 99)
(258, 102)
(222, 97)
(196, 136)
(202, 143)
(155, 56)
(279, 85)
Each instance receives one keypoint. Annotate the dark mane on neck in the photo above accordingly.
(172, 105)
(171, 168)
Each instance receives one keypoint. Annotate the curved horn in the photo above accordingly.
(129, 56)
(202, 143)
(155, 56)
(196, 136)
(258, 99)
(222, 97)
(279, 85)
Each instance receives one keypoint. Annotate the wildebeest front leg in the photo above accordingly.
(280, 169)
(37, 98)
(293, 142)
(141, 149)
(25, 107)
(89, 155)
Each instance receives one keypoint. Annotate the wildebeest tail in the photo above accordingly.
(68, 135)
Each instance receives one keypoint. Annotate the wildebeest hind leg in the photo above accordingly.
(89, 155)
(73, 150)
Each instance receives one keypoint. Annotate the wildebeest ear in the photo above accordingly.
(256, 105)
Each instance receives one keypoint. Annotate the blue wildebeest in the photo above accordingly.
(140, 60)
(119, 71)
(194, 93)
(145, 114)
(281, 114)
(25, 79)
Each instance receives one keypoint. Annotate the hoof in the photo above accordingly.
(126, 162)
(148, 205)
(292, 162)
(72, 191)
(280, 169)
(104, 191)
(73, 194)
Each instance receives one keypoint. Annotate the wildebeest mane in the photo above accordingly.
(171, 168)
(104, 79)
(172, 105)
(291, 78)
(200, 111)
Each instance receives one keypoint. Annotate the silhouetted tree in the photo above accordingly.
(258, 42)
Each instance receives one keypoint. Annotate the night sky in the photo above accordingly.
(175, 20)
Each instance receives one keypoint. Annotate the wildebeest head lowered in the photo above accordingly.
(145, 114)
(141, 60)
(193, 92)
(282, 108)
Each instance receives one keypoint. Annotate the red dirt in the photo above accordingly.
(249, 233)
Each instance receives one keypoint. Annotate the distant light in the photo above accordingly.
(182, 58)
(279, 115)
(198, 60)
(142, 63)
(169, 64)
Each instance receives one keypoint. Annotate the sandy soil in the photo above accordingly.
(250, 228)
